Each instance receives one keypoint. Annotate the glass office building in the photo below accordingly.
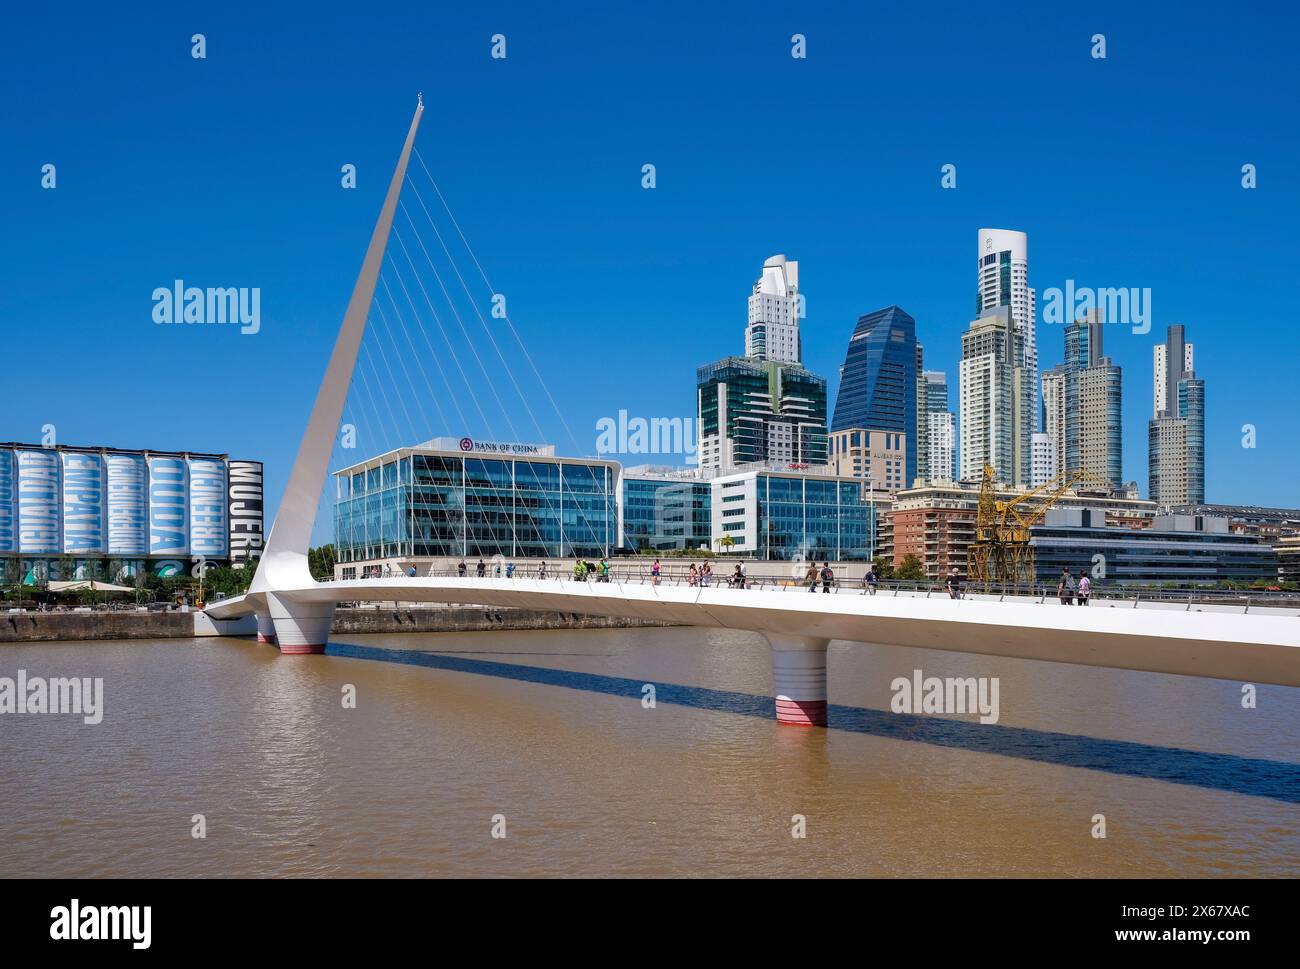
(878, 379)
(660, 512)
(794, 517)
(753, 411)
(1183, 550)
(477, 500)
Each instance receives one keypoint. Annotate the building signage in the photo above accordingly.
(498, 447)
(168, 508)
(38, 501)
(245, 517)
(83, 503)
(126, 505)
(6, 501)
(208, 535)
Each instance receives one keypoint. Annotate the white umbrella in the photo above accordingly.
(91, 584)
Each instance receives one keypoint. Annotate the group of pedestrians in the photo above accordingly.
(498, 568)
(825, 575)
(701, 575)
(1069, 591)
(584, 570)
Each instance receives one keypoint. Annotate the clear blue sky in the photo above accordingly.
(225, 171)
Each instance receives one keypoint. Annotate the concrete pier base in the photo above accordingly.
(300, 627)
(799, 679)
(265, 628)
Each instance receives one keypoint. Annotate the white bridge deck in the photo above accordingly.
(1223, 641)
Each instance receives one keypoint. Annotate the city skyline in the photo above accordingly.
(872, 233)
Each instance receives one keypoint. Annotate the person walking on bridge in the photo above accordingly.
(827, 577)
(482, 568)
(954, 584)
(460, 570)
(871, 581)
(706, 575)
(654, 573)
(1085, 587)
(1065, 588)
(810, 577)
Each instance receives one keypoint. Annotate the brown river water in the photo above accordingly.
(549, 731)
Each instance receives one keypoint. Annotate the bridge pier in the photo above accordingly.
(799, 678)
(300, 627)
(265, 628)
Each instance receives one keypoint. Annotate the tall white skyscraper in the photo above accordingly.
(938, 427)
(1004, 281)
(774, 311)
(939, 442)
(1054, 415)
(1044, 460)
(990, 393)
(1161, 373)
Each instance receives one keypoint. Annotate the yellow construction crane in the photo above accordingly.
(1001, 553)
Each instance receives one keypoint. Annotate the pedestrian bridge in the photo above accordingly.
(1255, 645)
(1222, 641)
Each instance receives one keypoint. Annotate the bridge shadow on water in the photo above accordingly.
(1277, 780)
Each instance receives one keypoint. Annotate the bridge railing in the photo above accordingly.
(1130, 597)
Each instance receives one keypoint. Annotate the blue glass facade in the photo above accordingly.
(804, 519)
(793, 517)
(878, 379)
(660, 514)
(434, 504)
(1159, 555)
(1191, 408)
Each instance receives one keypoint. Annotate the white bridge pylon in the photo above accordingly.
(302, 627)
(1259, 646)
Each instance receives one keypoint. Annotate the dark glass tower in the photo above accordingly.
(878, 379)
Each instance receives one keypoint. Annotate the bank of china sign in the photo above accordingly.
(497, 447)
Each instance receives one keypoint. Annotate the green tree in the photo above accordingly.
(321, 561)
(884, 567)
(911, 568)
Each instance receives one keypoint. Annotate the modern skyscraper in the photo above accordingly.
(754, 411)
(992, 396)
(1003, 274)
(1093, 403)
(942, 435)
(878, 380)
(775, 308)
(1160, 371)
(764, 407)
(1176, 435)
(937, 461)
(922, 431)
(1054, 414)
